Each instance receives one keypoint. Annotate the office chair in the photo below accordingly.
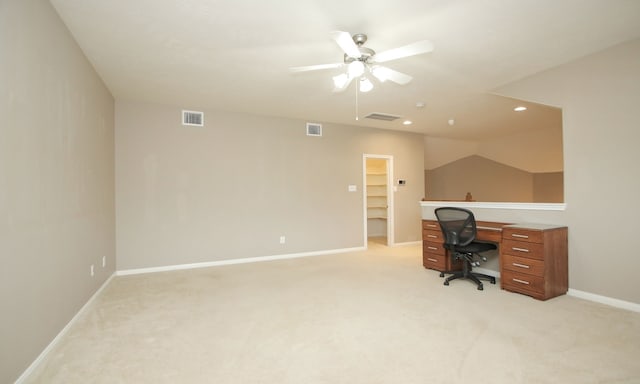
(458, 227)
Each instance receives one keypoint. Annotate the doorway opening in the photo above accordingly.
(377, 173)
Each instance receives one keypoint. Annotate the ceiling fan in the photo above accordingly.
(361, 61)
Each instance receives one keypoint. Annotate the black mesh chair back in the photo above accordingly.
(458, 227)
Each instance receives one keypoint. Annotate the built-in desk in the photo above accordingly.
(489, 231)
(533, 257)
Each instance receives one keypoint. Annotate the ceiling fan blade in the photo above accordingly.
(315, 67)
(345, 41)
(383, 74)
(417, 48)
(340, 86)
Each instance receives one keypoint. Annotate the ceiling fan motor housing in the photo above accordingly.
(359, 38)
(365, 53)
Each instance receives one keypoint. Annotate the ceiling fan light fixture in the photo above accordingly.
(356, 68)
(365, 85)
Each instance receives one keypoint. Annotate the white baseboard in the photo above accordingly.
(580, 294)
(604, 300)
(61, 334)
(206, 264)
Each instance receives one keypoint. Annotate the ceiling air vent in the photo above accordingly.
(193, 118)
(382, 116)
(314, 129)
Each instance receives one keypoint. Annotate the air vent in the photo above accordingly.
(193, 118)
(314, 129)
(382, 116)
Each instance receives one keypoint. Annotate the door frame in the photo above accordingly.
(390, 197)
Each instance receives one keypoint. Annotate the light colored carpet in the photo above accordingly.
(367, 317)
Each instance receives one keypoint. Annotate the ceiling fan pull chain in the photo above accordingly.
(357, 90)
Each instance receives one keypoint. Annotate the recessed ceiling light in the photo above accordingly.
(451, 122)
(407, 122)
(420, 104)
(520, 109)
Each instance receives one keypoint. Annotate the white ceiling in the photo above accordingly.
(234, 55)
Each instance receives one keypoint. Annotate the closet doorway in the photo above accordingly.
(378, 199)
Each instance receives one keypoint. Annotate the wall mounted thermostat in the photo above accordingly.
(402, 181)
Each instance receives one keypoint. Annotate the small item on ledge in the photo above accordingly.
(468, 197)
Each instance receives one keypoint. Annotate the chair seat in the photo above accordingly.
(475, 247)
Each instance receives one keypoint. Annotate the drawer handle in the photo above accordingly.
(520, 265)
(430, 259)
(520, 236)
(432, 236)
(520, 249)
(432, 248)
(521, 281)
(431, 225)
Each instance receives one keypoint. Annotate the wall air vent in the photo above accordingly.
(382, 116)
(193, 118)
(314, 129)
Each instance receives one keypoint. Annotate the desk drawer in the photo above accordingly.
(523, 283)
(434, 248)
(523, 249)
(523, 265)
(519, 234)
(432, 236)
(430, 224)
(488, 235)
(434, 261)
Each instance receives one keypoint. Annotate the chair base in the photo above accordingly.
(466, 273)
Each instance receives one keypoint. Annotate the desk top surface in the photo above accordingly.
(497, 226)
(486, 229)
(534, 226)
(490, 225)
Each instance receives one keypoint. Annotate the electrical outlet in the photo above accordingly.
(282, 239)
(104, 261)
(92, 270)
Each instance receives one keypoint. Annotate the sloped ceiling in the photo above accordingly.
(234, 54)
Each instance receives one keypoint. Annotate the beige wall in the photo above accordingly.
(56, 181)
(599, 95)
(485, 179)
(491, 181)
(536, 151)
(533, 151)
(548, 187)
(230, 189)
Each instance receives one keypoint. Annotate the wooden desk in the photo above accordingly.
(489, 231)
(533, 257)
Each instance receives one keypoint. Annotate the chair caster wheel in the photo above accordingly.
(446, 283)
(441, 274)
(480, 288)
(492, 281)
